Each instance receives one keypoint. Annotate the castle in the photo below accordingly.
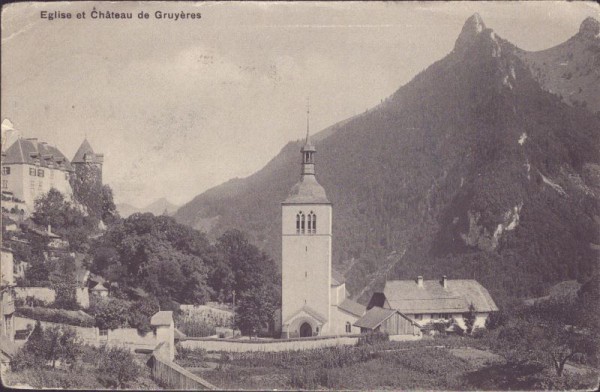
(30, 168)
(313, 298)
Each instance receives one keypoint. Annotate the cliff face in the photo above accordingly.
(472, 170)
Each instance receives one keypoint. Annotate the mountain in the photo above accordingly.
(571, 69)
(157, 207)
(472, 169)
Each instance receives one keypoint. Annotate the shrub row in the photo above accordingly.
(62, 316)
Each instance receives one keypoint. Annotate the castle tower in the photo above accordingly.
(85, 157)
(87, 179)
(306, 253)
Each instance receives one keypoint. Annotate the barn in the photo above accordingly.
(390, 321)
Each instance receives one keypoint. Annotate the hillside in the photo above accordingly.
(157, 207)
(471, 170)
(571, 69)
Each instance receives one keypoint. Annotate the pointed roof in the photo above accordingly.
(307, 191)
(85, 149)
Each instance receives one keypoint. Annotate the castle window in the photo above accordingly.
(32, 171)
(5, 170)
(40, 173)
(348, 327)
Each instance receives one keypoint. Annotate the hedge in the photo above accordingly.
(61, 316)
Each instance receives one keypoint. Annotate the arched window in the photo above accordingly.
(302, 223)
(298, 222)
(312, 223)
(348, 327)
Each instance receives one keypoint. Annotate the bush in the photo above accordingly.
(496, 319)
(194, 326)
(117, 367)
(60, 316)
(110, 313)
(190, 357)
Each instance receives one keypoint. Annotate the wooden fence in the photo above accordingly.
(170, 375)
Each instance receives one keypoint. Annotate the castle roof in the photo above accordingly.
(32, 152)
(85, 151)
(407, 297)
(307, 191)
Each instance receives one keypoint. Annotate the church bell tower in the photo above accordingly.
(306, 252)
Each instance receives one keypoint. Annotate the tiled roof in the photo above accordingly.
(163, 317)
(307, 190)
(32, 152)
(352, 307)
(407, 297)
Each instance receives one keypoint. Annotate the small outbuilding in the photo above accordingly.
(390, 321)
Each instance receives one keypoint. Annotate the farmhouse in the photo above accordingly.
(427, 301)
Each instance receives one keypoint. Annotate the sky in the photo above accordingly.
(178, 107)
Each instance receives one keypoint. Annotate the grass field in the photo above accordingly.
(449, 363)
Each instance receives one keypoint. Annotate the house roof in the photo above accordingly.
(162, 317)
(32, 152)
(352, 307)
(375, 316)
(407, 297)
(86, 150)
(337, 279)
(307, 191)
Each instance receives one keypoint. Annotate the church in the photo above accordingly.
(313, 297)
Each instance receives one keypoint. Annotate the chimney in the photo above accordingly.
(419, 281)
(444, 282)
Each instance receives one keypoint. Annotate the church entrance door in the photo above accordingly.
(305, 330)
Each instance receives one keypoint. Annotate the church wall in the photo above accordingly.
(306, 262)
(339, 318)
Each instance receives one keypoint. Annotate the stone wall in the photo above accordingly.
(238, 345)
(48, 295)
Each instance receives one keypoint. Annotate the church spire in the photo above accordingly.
(308, 150)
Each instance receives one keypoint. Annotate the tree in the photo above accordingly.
(255, 309)
(546, 341)
(140, 313)
(470, 318)
(49, 345)
(110, 313)
(117, 368)
(256, 281)
(64, 282)
(109, 209)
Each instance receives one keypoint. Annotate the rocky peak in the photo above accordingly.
(590, 28)
(471, 29)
